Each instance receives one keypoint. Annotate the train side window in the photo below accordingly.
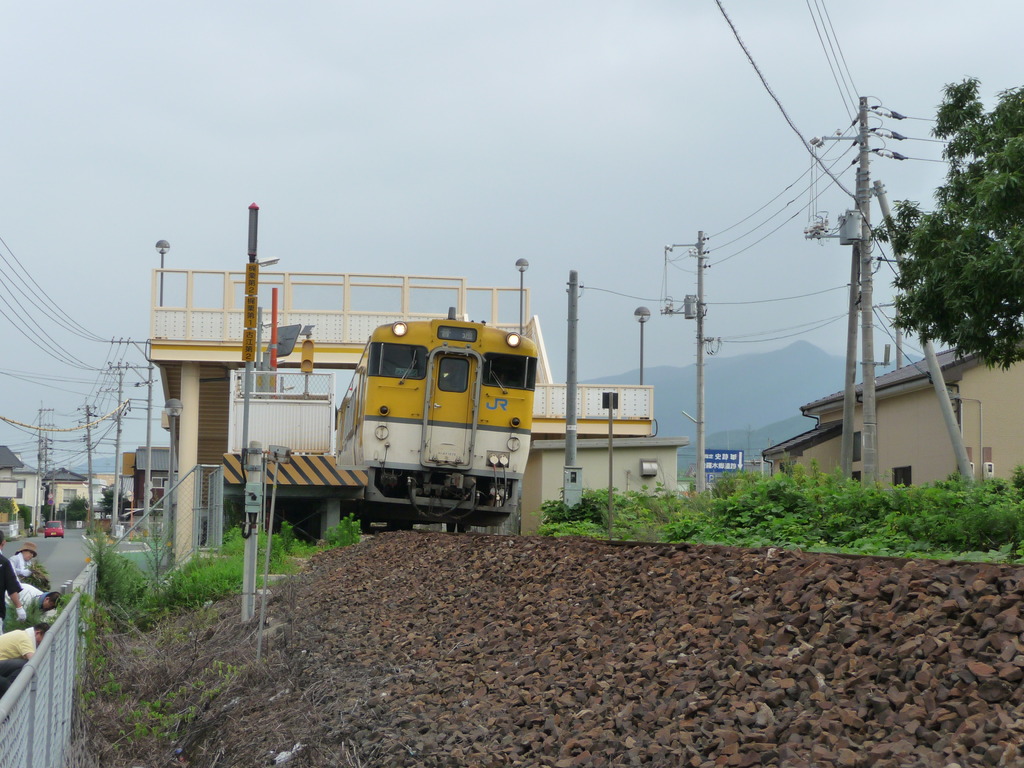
(401, 361)
(453, 374)
(511, 371)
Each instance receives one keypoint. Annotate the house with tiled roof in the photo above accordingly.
(9, 463)
(913, 443)
(62, 486)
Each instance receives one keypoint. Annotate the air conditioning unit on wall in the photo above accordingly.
(988, 470)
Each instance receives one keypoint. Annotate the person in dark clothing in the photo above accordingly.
(10, 585)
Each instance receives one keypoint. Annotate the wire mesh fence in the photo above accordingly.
(37, 711)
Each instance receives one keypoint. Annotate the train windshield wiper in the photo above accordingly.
(494, 376)
(409, 369)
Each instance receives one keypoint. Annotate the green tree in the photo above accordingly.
(8, 509)
(962, 276)
(78, 508)
(26, 515)
(106, 502)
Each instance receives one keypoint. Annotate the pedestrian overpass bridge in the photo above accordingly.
(196, 336)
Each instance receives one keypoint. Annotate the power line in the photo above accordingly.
(832, 59)
(775, 98)
(779, 212)
(748, 339)
(54, 311)
(785, 298)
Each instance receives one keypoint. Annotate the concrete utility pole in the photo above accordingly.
(88, 453)
(572, 481)
(956, 439)
(850, 372)
(869, 429)
(695, 308)
(115, 501)
(41, 464)
(701, 311)
(148, 481)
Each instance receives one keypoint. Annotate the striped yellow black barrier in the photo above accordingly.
(301, 470)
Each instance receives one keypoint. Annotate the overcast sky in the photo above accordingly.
(453, 138)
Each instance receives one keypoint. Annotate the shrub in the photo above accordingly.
(344, 534)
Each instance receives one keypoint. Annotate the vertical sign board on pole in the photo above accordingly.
(717, 462)
(252, 278)
(252, 289)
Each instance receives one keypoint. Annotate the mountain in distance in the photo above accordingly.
(751, 401)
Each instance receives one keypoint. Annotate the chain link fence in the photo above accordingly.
(36, 712)
(189, 517)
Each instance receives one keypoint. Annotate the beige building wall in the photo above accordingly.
(544, 474)
(824, 455)
(992, 417)
(912, 433)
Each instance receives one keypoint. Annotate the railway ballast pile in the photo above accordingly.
(415, 649)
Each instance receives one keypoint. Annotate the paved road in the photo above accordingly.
(64, 558)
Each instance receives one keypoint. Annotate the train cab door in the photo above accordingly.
(450, 410)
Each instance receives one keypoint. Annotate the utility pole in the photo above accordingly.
(115, 501)
(148, 482)
(956, 439)
(850, 371)
(88, 453)
(572, 479)
(869, 428)
(42, 460)
(695, 308)
(701, 311)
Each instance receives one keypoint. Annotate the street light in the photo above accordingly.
(162, 247)
(522, 265)
(642, 315)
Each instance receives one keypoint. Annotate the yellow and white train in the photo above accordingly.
(438, 415)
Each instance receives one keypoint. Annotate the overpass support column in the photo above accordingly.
(188, 452)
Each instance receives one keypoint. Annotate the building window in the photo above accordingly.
(901, 475)
(21, 490)
(68, 495)
(856, 446)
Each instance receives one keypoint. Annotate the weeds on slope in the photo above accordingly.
(815, 511)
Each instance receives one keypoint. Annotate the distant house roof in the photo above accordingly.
(8, 460)
(795, 446)
(951, 364)
(63, 475)
(161, 458)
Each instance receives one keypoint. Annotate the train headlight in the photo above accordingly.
(513, 444)
(400, 328)
(381, 432)
(513, 339)
(384, 410)
(515, 421)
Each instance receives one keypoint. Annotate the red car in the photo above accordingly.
(53, 528)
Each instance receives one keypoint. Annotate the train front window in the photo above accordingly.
(400, 361)
(510, 371)
(453, 374)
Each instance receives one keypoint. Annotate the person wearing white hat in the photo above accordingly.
(24, 555)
